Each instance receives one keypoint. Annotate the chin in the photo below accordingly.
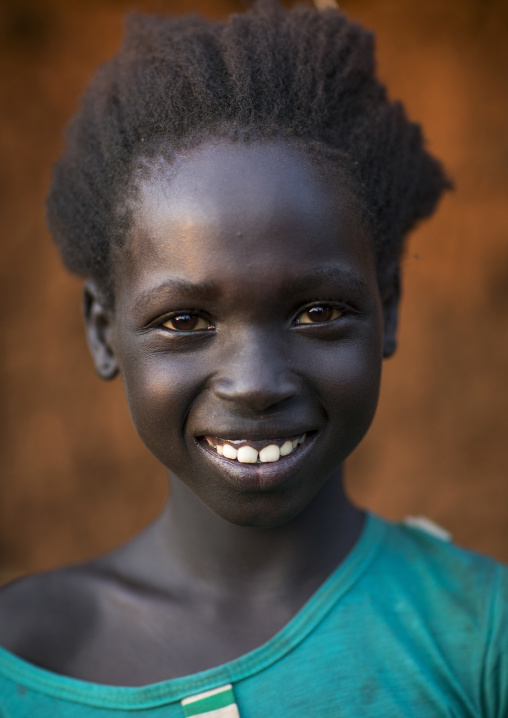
(251, 515)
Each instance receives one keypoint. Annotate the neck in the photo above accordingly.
(303, 551)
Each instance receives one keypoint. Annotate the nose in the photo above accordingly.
(255, 374)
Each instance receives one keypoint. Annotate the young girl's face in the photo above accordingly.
(248, 316)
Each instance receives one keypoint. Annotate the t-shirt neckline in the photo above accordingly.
(157, 694)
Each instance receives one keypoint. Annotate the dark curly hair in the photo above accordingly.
(302, 74)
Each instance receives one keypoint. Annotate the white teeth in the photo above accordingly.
(246, 454)
(269, 453)
(229, 451)
(286, 448)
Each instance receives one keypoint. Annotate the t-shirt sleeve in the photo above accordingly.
(496, 663)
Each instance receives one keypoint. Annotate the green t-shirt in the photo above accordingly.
(408, 625)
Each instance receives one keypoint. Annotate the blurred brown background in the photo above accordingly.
(75, 479)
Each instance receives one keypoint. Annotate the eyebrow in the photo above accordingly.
(207, 291)
(337, 275)
(175, 286)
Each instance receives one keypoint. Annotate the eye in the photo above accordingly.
(187, 322)
(319, 315)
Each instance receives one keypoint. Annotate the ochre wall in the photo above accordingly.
(75, 479)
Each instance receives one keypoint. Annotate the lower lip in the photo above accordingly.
(259, 477)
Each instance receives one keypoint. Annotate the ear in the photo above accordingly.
(99, 331)
(391, 300)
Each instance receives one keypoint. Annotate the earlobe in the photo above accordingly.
(391, 316)
(98, 322)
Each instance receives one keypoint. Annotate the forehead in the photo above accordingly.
(213, 179)
(242, 208)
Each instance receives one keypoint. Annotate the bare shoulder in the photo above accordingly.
(95, 621)
(49, 612)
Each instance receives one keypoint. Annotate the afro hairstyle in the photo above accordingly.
(305, 75)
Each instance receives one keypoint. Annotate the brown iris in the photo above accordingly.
(318, 315)
(187, 323)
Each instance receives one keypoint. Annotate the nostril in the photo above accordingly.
(255, 372)
(255, 395)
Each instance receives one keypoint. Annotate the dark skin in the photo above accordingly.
(246, 308)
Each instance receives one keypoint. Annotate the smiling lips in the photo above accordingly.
(255, 452)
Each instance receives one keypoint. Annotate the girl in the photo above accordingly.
(237, 196)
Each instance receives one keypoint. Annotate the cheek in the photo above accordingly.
(348, 378)
(158, 394)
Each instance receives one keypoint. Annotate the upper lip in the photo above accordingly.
(236, 435)
(237, 428)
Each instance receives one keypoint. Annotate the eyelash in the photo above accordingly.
(191, 314)
(332, 306)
